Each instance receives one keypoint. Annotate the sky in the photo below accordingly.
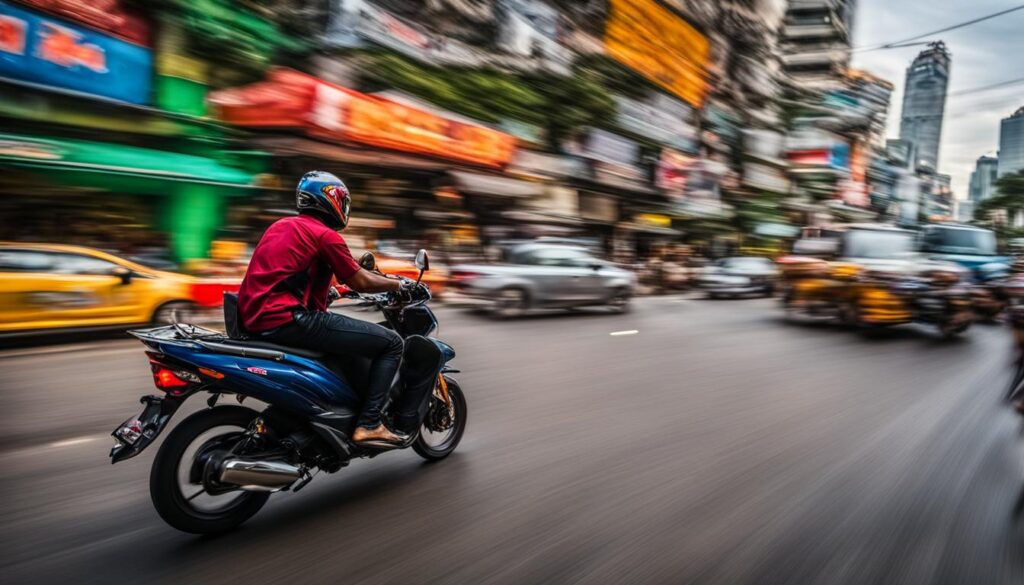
(982, 54)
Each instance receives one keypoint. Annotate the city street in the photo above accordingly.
(688, 441)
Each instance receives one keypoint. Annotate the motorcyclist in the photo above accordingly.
(284, 295)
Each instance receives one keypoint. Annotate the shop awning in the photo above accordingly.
(292, 146)
(646, 228)
(81, 158)
(491, 185)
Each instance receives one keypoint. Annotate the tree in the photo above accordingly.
(1009, 196)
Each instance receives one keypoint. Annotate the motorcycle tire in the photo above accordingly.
(437, 452)
(171, 503)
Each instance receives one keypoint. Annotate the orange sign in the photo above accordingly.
(660, 45)
(389, 124)
(326, 110)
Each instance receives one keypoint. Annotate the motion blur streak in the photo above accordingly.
(725, 447)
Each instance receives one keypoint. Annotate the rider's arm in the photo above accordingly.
(369, 282)
(348, 271)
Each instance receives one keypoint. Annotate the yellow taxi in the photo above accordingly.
(46, 287)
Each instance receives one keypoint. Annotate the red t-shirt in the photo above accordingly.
(291, 246)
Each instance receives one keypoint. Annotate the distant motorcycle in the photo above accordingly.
(219, 466)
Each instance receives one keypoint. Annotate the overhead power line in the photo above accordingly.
(987, 87)
(901, 43)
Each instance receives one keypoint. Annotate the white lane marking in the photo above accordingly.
(40, 351)
(74, 441)
(627, 332)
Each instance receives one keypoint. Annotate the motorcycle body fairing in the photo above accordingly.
(297, 384)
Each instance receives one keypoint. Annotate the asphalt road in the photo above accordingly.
(715, 445)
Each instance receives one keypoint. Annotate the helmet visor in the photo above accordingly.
(339, 200)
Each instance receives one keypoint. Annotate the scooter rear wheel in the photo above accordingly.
(185, 508)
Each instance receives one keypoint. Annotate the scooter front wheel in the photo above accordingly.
(185, 504)
(442, 431)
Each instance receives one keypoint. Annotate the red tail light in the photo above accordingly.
(169, 378)
(166, 379)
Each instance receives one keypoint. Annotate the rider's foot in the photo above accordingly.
(378, 436)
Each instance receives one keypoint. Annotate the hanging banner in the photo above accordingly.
(293, 99)
(660, 118)
(672, 170)
(658, 44)
(50, 51)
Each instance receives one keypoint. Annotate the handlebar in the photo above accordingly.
(385, 299)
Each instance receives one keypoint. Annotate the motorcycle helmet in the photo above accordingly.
(324, 195)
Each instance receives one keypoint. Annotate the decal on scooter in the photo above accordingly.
(255, 370)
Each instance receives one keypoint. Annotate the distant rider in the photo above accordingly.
(284, 295)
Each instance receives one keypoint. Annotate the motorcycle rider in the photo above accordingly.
(284, 295)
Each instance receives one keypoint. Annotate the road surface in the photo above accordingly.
(704, 442)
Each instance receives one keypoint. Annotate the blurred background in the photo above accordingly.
(641, 157)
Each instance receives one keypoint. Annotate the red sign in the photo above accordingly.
(111, 16)
(292, 99)
(63, 46)
(819, 157)
(12, 34)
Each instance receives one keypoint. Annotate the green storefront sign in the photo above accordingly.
(192, 188)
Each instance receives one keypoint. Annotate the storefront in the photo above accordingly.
(77, 93)
(180, 195)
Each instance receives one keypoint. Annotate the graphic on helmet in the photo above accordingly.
(326, 195)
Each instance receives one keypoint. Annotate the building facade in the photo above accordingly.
(983, 178)
(1011, 143)
(816, 41)
(924, 103)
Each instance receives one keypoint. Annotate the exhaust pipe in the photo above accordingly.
(259, 475)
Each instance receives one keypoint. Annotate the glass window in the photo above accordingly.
(959, 241)
(566, 257)
(26, 261)
(81, 264)
(877, 244)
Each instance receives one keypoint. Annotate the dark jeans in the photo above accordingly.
(343, 336)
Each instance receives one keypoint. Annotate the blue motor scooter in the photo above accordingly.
(219, 466)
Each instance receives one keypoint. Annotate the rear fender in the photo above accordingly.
(153, 420)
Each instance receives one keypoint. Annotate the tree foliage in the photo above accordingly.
(1009, 196)
(559, 104)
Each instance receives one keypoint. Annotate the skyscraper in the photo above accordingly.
(983, 178)
(924, 103)
(1011, 143)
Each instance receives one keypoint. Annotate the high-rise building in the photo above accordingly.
(924, 103)
(816, 41)
(983, 178)
(1011, 143)
(872, 94)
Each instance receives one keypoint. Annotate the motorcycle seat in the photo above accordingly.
(306, 353)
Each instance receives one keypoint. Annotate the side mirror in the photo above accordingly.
(123, 273)
(422, 261)
(367, 261)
